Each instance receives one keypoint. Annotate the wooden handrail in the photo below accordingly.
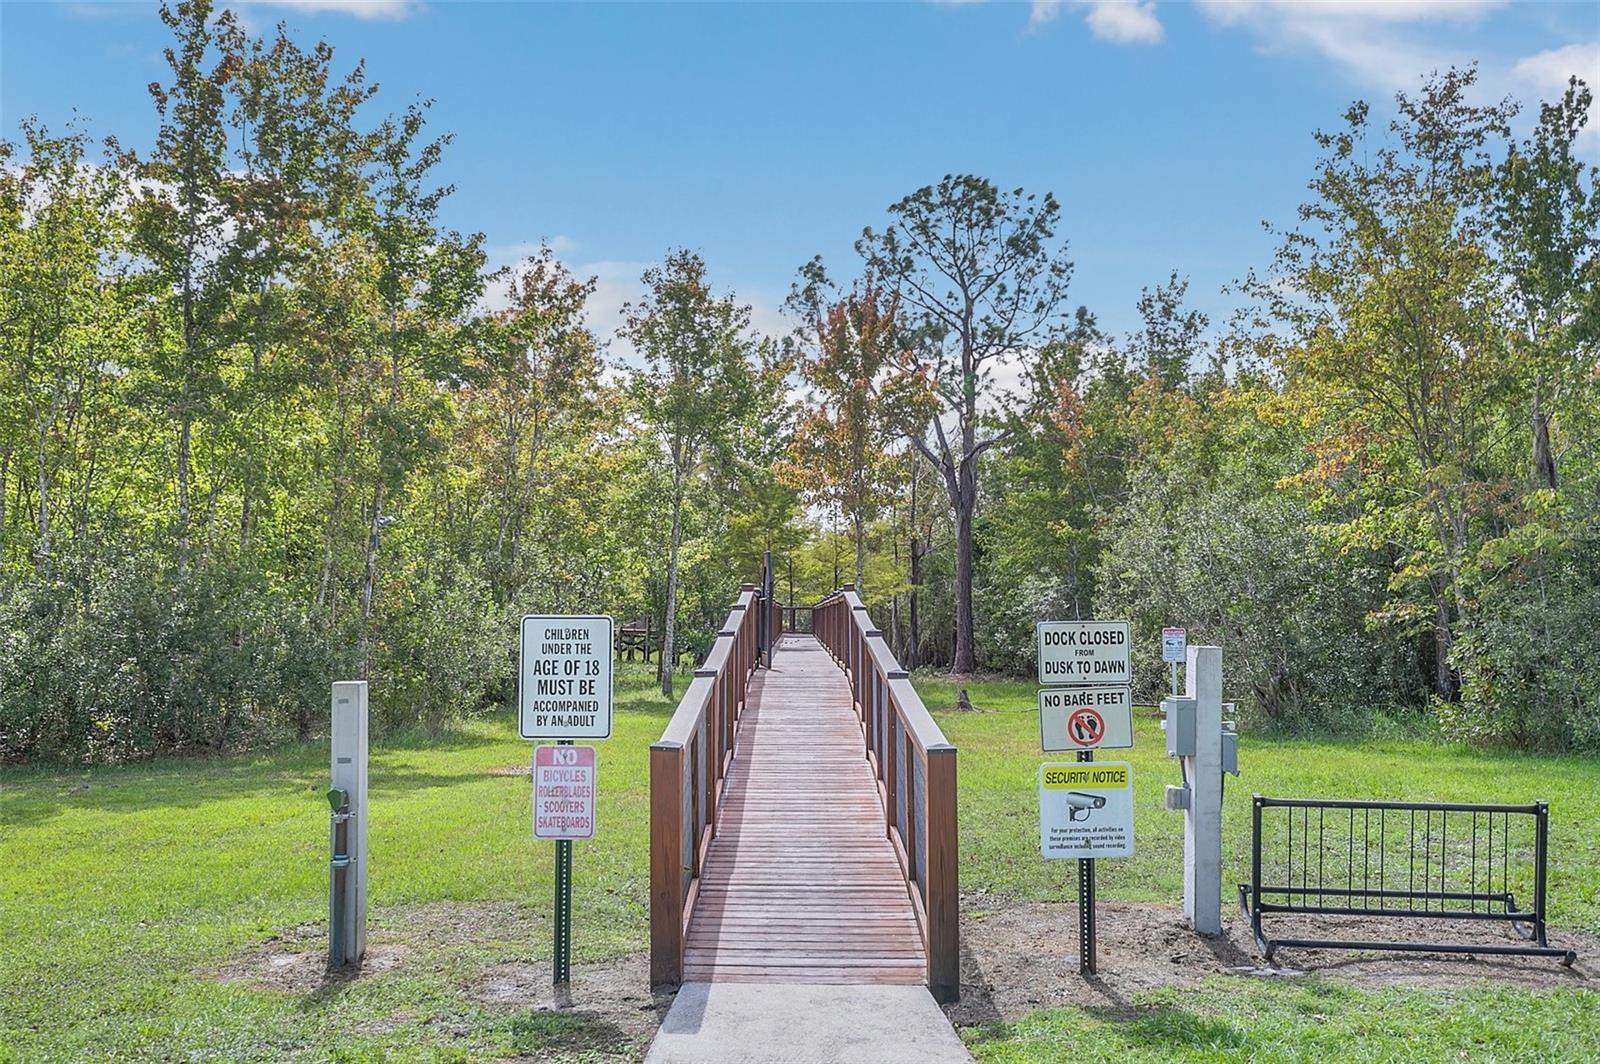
(687, 770)
(903, 742)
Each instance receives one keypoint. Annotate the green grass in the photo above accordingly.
(1306, 1020)
(123, 891)
(118, 886)
(998, 761)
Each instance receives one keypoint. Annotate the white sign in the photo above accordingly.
(1085, 718)
(1174, 643)
(563, 792)
(564, 679)
(1083, 652)
(1086, 809)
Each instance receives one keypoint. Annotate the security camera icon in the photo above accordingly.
(1080, 805)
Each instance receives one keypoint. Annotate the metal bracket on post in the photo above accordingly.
(338, 874)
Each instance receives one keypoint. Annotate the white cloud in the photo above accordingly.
(1043, 11)
(369, 10)
(1548, 71)
(1231, 12)
(1391, 46)
(1382, 44)
(1125, 22)
(1120, 21)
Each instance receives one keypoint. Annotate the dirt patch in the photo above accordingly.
(610, 1013)
(297, 963)
(1021, 956)
(611, 1001)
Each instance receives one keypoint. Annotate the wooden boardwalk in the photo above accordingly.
(800, 882)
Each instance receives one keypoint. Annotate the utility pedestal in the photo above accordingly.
(347, 900)
(1193, 723)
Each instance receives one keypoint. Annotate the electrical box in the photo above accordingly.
(1179, 724)
(1177, 797)
(1230, 748)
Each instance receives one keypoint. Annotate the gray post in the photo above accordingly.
(350, 775)
(1202, 820)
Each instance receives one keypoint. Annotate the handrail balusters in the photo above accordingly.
(844, 628)
(700, 733)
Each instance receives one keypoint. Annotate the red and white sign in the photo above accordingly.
(1085, 727)
(1085, 718)
(563, 792)
(1174, 643)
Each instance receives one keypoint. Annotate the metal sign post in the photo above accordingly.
(564, 691)
(561, 955)
(1083, 812)
(563, 810)
(1086, 944)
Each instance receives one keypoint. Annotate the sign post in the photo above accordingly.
(1173, 644)
(564, 693)
(1085, 812)
(1088, 947)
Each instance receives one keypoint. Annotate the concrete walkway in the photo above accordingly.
(807, 1023)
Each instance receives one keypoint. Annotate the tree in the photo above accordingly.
(984, 278)
(538, 364)
(64, 322)
(1402, 359)
(1546, 218)
(854, 361)
(694, 391)
(1532, 586)
(1172, 338)
(427, 280)
(294, 123)
(185, 232)
(1065, 461)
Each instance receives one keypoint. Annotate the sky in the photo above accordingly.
(761, 135)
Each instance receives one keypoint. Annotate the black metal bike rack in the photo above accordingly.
(1399, 859)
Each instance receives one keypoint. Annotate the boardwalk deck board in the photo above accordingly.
(800, 883)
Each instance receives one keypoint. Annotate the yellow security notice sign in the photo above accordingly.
(1086, 809)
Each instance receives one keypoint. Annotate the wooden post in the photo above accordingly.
(943, 895)
(666, 864)
(891, 758)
